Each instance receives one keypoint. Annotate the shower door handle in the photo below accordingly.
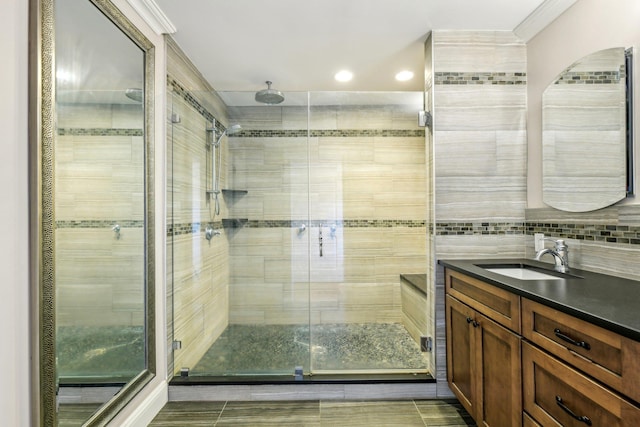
(320, 239)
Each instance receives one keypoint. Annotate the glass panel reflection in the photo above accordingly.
(99, 208)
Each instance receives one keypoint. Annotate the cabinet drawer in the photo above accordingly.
(527, 421)
(602, 354)
(496, 303)
(558, 395)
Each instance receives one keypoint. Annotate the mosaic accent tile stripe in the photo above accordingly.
(339, 133)
(471, 78)
(291, 133)
(92, 223)
(184, 94)
(100, 132)
(623, 234)
(473, 228)
(191, 228)
(591, 77)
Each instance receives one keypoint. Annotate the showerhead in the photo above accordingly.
(231, 130)
(269, 96)
(134, 94)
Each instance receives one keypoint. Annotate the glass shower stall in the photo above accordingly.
(288, 234)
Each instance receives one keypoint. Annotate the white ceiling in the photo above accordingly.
(301, 44)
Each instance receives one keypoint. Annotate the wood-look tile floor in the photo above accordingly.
(324, 413)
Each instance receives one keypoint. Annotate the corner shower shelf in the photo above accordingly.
(234, 222)
(233, 193)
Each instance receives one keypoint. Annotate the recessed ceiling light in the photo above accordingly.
(343, 76)
(405, 75)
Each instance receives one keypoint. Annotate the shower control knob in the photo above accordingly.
(302, 228)
(210, 232)
(116, 229)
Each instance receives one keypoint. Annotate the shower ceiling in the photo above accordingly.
(300, 45)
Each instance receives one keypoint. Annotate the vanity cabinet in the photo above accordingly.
(556, 394)
(512, 361)
(483, 356)
(604, 355)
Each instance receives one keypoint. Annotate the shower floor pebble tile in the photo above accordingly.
(268, 349)
(361, 413)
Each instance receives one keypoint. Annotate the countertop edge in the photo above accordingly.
(583, 278)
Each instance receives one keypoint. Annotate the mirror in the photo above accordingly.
(95, 198)
(585, 136)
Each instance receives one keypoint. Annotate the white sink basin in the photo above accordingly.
(523, 273)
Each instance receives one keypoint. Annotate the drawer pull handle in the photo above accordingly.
(473, 322)
(570, 340)
(564, 407)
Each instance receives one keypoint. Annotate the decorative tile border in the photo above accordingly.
(592, 77)
(623, 234)
(453, 78)
(184, 94)
(193, 228)
(291, 133)
(478, 228)
(339, 133)
(99, 223)
(345, 223)
(100, 132)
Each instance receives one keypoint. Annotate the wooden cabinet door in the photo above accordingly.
(500, 377)
(461, 360)
(483, 366)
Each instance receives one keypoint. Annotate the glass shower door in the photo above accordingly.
(268, 255)
(368, 212)
(240, 299)
(322, 208)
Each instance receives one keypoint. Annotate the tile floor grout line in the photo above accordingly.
(220, 414)
(415, 405)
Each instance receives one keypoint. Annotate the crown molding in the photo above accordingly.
(542, 16)
(153, 15)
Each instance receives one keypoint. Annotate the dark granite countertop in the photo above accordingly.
(418, 281)
(607, 301)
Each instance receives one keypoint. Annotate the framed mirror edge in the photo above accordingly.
(629, 137)
(42, 216)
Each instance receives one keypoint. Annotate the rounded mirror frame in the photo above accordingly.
(586, 134)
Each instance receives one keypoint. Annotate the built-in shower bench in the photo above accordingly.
(413, 297)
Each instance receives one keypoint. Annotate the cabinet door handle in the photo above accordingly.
(473, 323)
(564, 407)
(570, 340)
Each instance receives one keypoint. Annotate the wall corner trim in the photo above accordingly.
(153, 15)
(542, 16)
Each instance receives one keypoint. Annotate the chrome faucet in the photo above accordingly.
(560, 255)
